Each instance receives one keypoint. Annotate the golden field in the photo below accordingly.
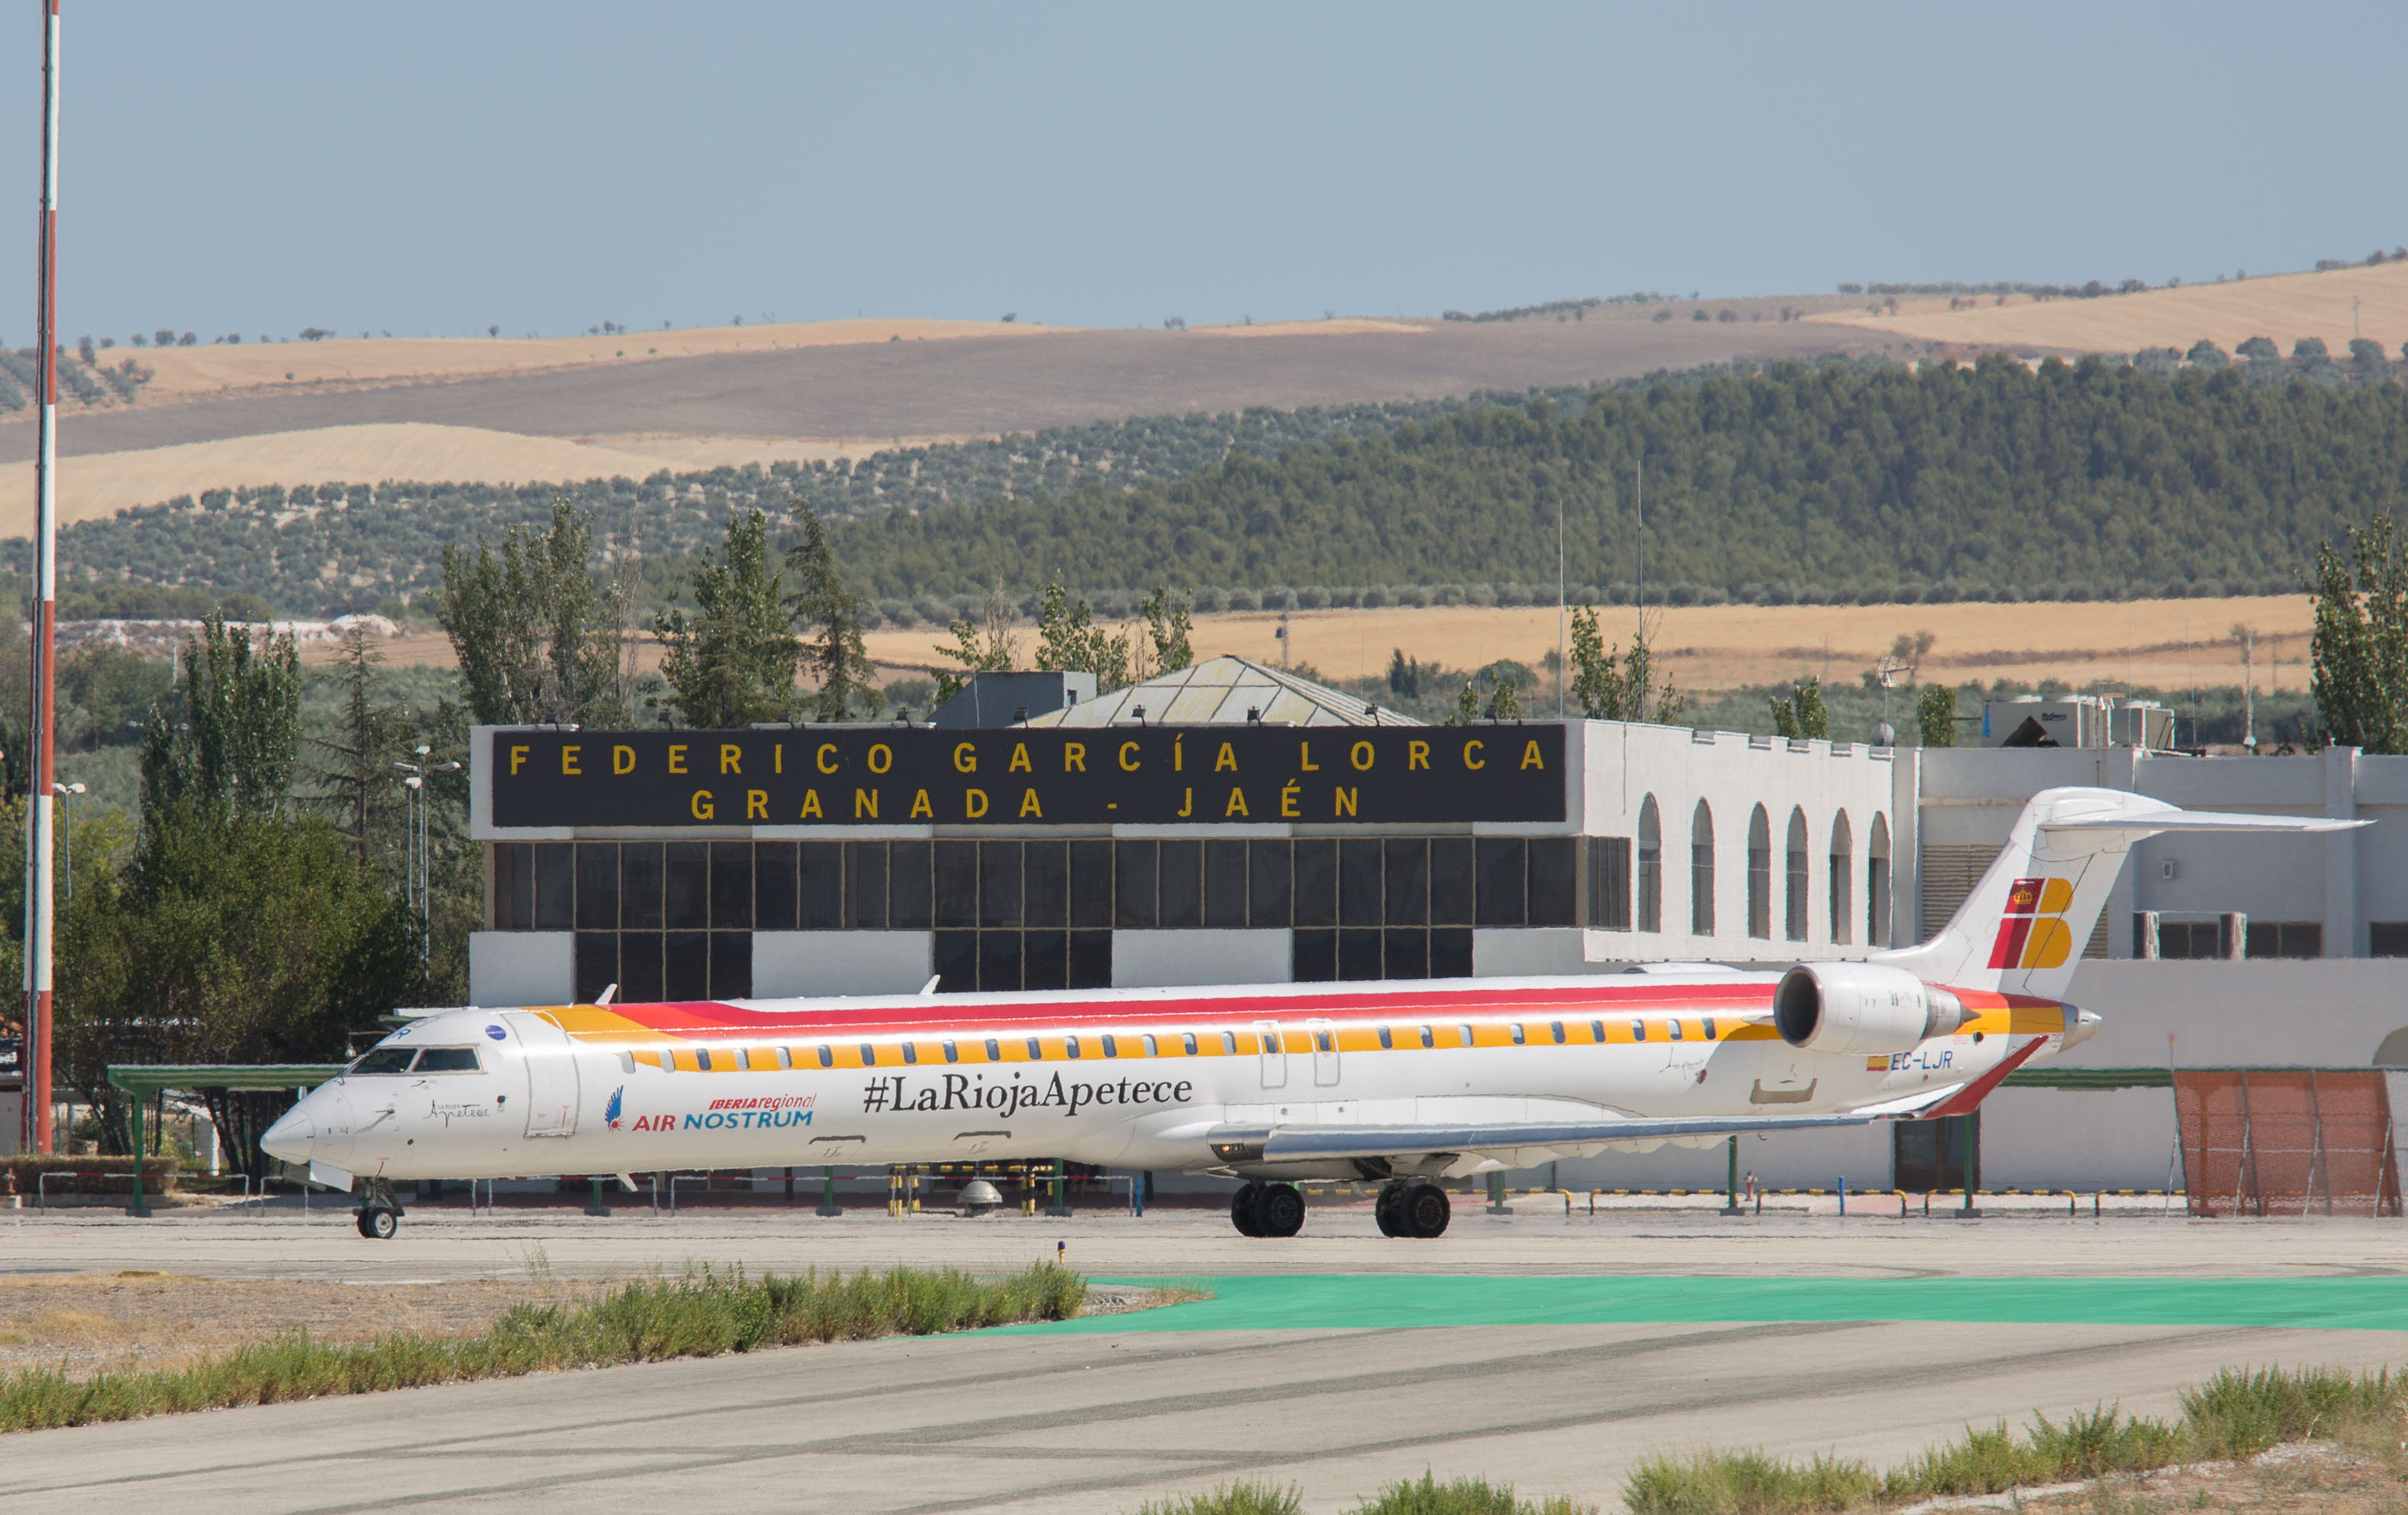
(2334, 306)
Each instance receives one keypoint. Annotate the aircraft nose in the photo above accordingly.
(293, 1134)
(2085, 1025)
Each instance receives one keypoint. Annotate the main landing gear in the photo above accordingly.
(380, 1211)
(1412, 1210)
(1268, 1209)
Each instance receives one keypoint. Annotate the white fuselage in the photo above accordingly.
(1128, 1077)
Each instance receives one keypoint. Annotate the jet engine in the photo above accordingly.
(1850, 1007)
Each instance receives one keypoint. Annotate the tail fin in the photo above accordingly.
(2023, 927)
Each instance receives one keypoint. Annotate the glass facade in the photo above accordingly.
(674, 920)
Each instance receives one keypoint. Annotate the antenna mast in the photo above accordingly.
(45, 616)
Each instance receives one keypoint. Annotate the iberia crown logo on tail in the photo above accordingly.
(2033, 933)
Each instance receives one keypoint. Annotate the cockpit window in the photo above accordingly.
(447, 1060)
(385, 1060)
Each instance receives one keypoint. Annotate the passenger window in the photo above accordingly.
(744, 1059)
(952, 1053)
(1035, 1052)
(827, 1056)
(1111, 1048)
(993, 1050)
(785, 1057)
(1709, 1028)
(1597, 1031)
(1427, 1040)
(910, 1051)
(702, 1059)
(1558, 1027)
(1518, 1033)
(1638, 1031)
(1187, 1040)
(1676, 1028)
(1151, 1049)
(1465, 1032)
(868, 1055)
(1320, 1039)
(1228, 1044)
(1387, 1043)
(626, 1062)
(1270, 1046)
(1071, 1046)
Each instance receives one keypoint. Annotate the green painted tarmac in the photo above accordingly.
(1327, 1301)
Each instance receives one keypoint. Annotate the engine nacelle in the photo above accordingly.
(1847, 1007)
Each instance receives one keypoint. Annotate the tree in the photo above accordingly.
(529, 629)
(1610, 693)
(2258, 349)
(1167, 626)
(114, 688)
(1067, 640)
(734, 663)
(1803, 714)
(2360, 649)
(992, 649)
(2206, 355)
(835, 652)
(2368, 361)
(233, 744)
(1506, 704)
(1935, 715)
(367, 742)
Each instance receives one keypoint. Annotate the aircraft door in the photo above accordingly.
(550, 1060)
(1274, 1053)
(1325, 1052)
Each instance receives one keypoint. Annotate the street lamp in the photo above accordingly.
(417, 881)
(67, 793)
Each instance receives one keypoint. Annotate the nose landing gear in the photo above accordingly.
(379, 1213)
(1268, 1209)
(1412, 1210)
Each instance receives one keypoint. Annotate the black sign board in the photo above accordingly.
(12, 1057)
(889, 775)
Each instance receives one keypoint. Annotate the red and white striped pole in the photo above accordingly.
(38, 843)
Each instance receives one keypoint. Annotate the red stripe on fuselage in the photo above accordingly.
(697, 1019)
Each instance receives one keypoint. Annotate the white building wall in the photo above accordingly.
(794, 962)
(1623, 765)
(520, 968)
(1167, 959)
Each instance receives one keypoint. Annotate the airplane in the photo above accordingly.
(1400, 1082)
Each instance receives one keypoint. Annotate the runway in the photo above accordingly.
(1101, 1420)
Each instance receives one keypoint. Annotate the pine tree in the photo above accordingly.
(1935, 715)
(734, 663)
(366, 743)
(833, 650)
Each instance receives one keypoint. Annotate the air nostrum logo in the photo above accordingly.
(971, 1091)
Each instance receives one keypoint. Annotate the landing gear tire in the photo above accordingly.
(1424, 1211)
(1281, 1210)
(1389, 1209)
(1245, 1209)
(377, 1222)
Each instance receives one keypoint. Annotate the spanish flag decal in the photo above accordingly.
(2032, 934)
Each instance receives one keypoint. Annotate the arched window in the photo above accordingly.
(1651, 866)
(1844, 882)
(1877, 883)
(1701, 871)
(1793, 892)
(1759, 874)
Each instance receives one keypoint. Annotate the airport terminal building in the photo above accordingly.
(1231, 822)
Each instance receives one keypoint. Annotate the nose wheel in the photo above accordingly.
(1268, 1209)
(1412, 1210)
(379, 1213)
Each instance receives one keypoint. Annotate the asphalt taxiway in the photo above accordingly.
(1549, 1351)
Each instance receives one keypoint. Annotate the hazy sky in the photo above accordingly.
(432, 167)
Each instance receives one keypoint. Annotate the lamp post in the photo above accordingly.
(417, 870)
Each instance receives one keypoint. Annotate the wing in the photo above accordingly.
(1470, 1147)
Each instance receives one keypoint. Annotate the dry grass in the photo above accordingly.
(2283, 306)
(93, 485)
(188, 372)
(2154, 643)
(116, 1323)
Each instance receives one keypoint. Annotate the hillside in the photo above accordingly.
(2334, 307)
(1858, 484)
